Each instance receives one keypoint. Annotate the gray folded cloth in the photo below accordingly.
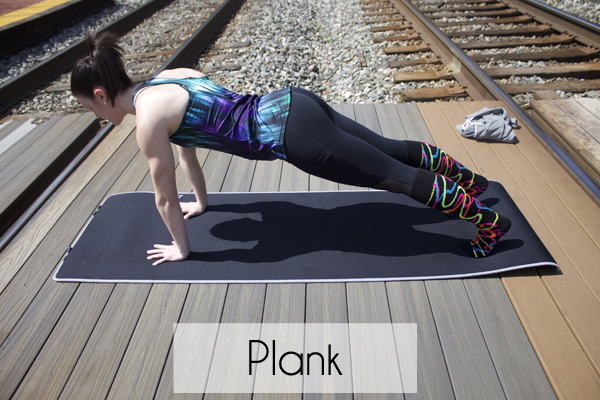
(489, 124)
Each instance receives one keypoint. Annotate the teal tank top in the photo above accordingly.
(248, 126)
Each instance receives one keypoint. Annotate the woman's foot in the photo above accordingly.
(475, 186)
(440, 193)
(488, 235)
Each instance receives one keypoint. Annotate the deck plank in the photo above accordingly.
(409, 304)
(416, 128)
(43, 146)
(21, 247)
(284, 304)
(71, 333)
(204, 305)
(22, 145)
(108, 342)
(269, 176)
(47, 376)
(13, 133)
(244, 304)
(40, 264)
(293, 179)
(51, 300)
(96, 368)
(368, 303)
(366, 115)
(183, 185)
(239, 177)
(527, 292)
(390, 122)
(215, 169)
(326, 304)
(570, 193)
(577, 295)
(583, 147)
(141, 367)
(582, 116)
(469, 364)
(520, 371)
(23, 181)
(8, 127)
(408, 300)
(317, 184)
(22, 345)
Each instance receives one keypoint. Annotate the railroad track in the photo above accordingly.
(147, 45)
(490, 50)
(28, 195)
(530, 50)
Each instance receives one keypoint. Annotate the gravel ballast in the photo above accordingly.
(305, 43)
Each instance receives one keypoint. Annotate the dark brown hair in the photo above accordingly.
(103, 67)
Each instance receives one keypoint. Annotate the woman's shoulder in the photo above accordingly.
(180, 73)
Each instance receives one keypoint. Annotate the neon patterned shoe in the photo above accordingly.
(487, 236)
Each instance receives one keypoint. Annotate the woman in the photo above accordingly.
(184, 107)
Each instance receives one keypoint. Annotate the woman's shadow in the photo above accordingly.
(278, 230)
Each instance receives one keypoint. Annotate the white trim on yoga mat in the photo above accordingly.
(390, 279)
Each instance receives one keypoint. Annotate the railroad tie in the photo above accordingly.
(511, 12)
(380, 13)
(521, 19)
(397, 38)
(393, 18)
(436, 93)
(422, 76)
(409, 63)
(390, 28)
(418, 48)
(235, 45)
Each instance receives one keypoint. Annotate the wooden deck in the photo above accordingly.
(574, 124)
(530, 334)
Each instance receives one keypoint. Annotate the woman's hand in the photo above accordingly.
(166, 253)
(191, 209)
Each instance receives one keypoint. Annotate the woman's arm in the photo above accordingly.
(154, 143)
(192, 170)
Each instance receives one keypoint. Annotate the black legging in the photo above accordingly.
(324, 143)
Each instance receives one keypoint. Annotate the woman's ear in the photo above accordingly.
(100, 94)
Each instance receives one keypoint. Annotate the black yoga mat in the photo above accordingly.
(297, 237)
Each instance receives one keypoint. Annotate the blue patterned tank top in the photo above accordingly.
(248, 126)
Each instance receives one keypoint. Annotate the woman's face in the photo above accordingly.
(101, 106)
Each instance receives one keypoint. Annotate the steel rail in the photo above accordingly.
(499, 94)
(181, 58)
(16, 89)
(586, 32)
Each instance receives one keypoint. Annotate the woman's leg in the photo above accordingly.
(315, 144)
(413, 153)
(434, 159)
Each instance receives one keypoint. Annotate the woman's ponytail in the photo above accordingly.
(103, 67)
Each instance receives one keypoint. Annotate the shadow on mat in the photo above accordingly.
(278, 231)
